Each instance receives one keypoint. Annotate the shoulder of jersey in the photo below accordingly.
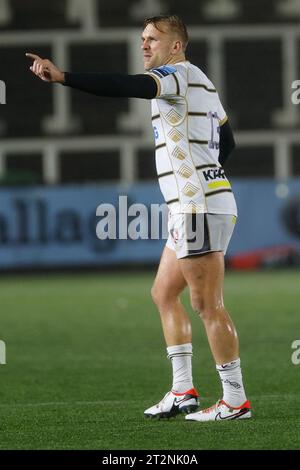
(163, 71)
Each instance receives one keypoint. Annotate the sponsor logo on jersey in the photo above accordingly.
(213, 174)
(164, 71)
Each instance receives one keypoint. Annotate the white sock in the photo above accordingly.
(232, 383)
(181, 358)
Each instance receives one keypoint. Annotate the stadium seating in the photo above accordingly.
(253, 39)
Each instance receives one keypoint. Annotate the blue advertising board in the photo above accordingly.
(59, 226)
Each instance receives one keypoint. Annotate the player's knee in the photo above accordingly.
(155, 294)
(197, 304)
(207, 314)
(158, 296)
(161, 297)
(201, 308)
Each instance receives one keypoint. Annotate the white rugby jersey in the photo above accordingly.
(186, 117)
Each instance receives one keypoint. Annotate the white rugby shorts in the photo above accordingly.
(195, 234)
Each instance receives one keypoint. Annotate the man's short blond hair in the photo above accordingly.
(174, 23)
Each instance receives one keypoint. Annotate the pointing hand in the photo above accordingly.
(45, 69)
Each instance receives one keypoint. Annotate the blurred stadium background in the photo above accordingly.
(62, 153)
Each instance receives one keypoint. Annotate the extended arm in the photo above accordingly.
(119, 85)
(227, 142)
(112, 84)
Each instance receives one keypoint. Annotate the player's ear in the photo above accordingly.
(177, 46)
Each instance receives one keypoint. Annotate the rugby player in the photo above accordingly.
(193, 139)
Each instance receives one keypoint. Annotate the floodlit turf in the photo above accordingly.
(86, 356)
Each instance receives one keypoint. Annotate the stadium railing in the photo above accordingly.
(128, 147)
(137, 119)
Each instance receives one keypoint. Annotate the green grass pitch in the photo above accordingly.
(86, 356)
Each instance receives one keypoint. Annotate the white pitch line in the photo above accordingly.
(120, 402)
(68, 403)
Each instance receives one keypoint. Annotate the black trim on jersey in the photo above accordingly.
(113, 84)
(227, 142)
(171, 201)
(160, 146)
(177, 84)
(202, 142)
(156, 116)
(201, 85)
(212, 165)
(218, 191)
(167, 173)
(197, 114)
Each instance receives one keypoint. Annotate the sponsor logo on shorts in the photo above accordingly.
(175, 235)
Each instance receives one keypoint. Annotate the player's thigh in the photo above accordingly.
(204, 275)
(169, 281)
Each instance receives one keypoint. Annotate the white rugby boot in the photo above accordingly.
(173, 404)
(221, 412)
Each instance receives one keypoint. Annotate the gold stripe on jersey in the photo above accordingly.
(185, 171)
(175, 135)
(192, 207)
(201, 85)
(188, 123)
(179, 153)
(222, 121)
(219, 184)
(173, 116)
(218, 192)
(157, 83)
(170, 160)
(190, 189)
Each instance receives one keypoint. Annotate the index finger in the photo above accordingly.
(32, 56)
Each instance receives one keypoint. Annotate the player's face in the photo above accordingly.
(157, 46)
